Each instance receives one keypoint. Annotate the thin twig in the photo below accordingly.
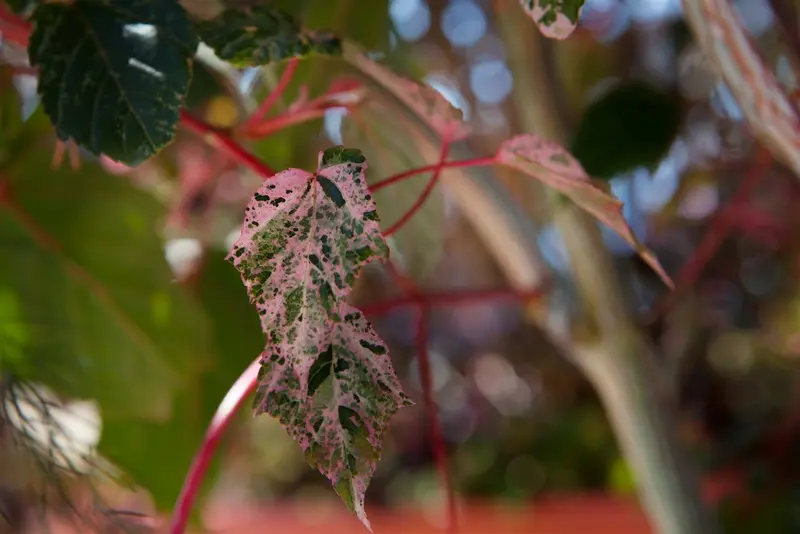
(432, 414)
(420, 201)
(266, 106)
(721, 227)
(472, 162)
(223, 141)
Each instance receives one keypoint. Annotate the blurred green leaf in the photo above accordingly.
(364, 22)
(157, 455)
(633, 125)
(104, 317)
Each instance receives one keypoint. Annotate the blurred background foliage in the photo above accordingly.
(641, 110)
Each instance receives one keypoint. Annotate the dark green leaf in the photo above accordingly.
(114, 74)
(260, 35)
(633, 125)
(98, 312)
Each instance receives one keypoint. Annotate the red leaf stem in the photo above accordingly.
(263, 129)
(723, 223)
(431, 412)
(248, 381)
(420, 201)
(286, 77)
(473, 162)
(226, 144)
(450, 298)
(242, 388)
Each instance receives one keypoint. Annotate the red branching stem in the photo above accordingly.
(14, 28)
(242, 388)
(248, 381)
(266, 105)
(281, 122)
(721, 227)
(474, 162)
(420, 201)
(452, 298)
(431, 412)
(226, 144)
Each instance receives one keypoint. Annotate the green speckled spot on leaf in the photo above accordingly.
(326, 375)
(262, 34)
(556, 18)
(113, 74)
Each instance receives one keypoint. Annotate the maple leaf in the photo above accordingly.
(326, 375)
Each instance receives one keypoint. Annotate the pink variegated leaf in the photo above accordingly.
(556, 19)
(326, 375)
(549, 163)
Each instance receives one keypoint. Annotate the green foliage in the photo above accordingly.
(114, 74)
(89, 280)
(139, 445)
(633, 125)
(262, 34)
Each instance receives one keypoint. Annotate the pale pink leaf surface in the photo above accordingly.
(326, 375)
(424, 101)
(549, 163)
(557, 19)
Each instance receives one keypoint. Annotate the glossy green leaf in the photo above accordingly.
(113, 75)
(103, 318)
(631, 126)
(260, 35)
(556, 18)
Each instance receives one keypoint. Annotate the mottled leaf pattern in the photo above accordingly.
(114, 74)
(556, 18)
(325, 373)
(555, 167)
(262, 34)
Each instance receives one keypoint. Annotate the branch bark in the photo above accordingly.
(616, 358)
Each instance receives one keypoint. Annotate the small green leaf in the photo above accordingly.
(262, 34)
(114, 74)
(556, 18)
